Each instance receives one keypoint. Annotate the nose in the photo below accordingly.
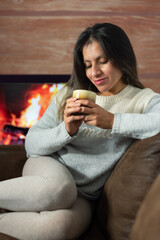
(96, 71)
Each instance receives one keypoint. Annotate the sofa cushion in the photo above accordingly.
(12, 159)
(127, 186)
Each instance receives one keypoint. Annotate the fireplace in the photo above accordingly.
(21, 105)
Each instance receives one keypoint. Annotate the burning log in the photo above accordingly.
(14, 134)
(15, 130)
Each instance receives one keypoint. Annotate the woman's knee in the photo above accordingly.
(50, 196)
(62, 196)
(56, 187)
(29, 166)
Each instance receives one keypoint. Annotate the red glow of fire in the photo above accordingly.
(37, 103)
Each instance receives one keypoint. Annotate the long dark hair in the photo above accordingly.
(117, 48)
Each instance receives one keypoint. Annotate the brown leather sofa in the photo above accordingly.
(129, 208)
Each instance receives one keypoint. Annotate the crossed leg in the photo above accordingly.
(64, 224)
(44, 203)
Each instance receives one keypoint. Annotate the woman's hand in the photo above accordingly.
(96, 115)
(72, 122)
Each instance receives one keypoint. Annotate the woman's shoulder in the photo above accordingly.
(145, 92)
(143, 97)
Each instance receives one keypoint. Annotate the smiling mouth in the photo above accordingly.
(99, 81)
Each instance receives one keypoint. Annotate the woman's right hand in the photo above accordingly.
(72, 122)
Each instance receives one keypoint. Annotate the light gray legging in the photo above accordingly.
(44, 203)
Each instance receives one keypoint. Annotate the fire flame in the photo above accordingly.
(30, 115)
(37, 103)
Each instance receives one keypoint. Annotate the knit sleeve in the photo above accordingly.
(48, 135)
(137, 125)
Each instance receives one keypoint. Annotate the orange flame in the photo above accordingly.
(37, 104)
(7, 140)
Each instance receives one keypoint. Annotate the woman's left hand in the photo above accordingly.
(96, 115)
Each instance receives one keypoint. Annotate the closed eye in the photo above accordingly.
(104, 61)
(88, 66)
(99, 60)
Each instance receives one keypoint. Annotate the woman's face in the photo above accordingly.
(101, 72)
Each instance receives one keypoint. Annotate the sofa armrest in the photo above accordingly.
(126, 188)
(146, 226)
(12, 159)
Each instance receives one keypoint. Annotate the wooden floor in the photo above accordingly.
(37, 37)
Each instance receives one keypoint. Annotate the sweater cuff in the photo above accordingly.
(116, 124)
(68, 137)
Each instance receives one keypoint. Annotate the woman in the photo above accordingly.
(71, 156)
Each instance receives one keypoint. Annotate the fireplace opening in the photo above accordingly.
(21, 106)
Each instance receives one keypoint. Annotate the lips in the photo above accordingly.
(99, 81)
